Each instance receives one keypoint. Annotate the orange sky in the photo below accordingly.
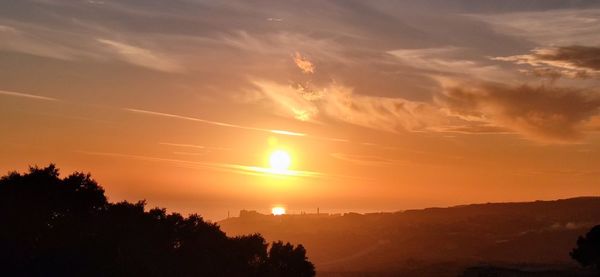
(382, 105)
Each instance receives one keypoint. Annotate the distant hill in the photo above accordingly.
(433, 241)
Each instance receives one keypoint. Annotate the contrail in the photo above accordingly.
(27, 95)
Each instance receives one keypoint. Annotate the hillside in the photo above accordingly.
(432, 241)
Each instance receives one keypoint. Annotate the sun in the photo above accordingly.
(278, 210)
(280, 160)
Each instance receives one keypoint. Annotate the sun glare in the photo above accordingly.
(278, 210)
(280, 161)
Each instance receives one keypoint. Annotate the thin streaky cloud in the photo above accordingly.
(142, 57)
(27, 95)
(182, 145)
(279, 132)
(216, 123)
(334, 139)
(222, 124)
(236, 168)
(288, 133)
(193, 146)
(365, 159)
(190, 153)
(8, 29)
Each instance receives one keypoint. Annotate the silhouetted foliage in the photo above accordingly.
(66, 227)
(587, 252)
(287, 260)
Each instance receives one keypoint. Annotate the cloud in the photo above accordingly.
(574, 61)
(382, 113)
(222, 124)
(449, 62)
(364, 159)
(304, 64)
(441, 58)
(27, 95)
(576, 56)
(7, 29)
(381, 81)
(142, 57)
(229, 167)
(472, 128)
(550, 27)
(41, 41)
(189, 153)
(70, 45)
(183, 145)
(198, 147)
(548, 114)
(211, 122)
(342, 104)
(288, 101)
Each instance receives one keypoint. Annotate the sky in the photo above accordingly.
(380, 105)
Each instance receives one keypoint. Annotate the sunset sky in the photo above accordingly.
(379, 105)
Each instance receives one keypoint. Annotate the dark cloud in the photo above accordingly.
(578, 62)
(580, 56)
(545, 113)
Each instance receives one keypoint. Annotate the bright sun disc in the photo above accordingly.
(278, 211)
(280, 160)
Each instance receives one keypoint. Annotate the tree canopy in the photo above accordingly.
(587, 252)
(66, 227)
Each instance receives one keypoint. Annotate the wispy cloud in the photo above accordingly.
(548, 114)
(288, 100)
(200, 147)
(7, 29)
(183, 145)
(341, 103)
(40, 41)
(142, 57)
(550, 27)
(27, 95)
(230, 167)
(448, 61)
(303, 63)
(189, 153)
(365, 77)
(215, 123)
(574, 61)
(382, 113)
(367, 160)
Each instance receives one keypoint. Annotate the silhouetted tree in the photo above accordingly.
(66, 227)
(287, 260)
(587, 252)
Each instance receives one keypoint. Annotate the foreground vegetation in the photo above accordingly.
(66, 227)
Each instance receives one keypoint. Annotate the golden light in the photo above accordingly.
(280, 160)
(278, 210)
